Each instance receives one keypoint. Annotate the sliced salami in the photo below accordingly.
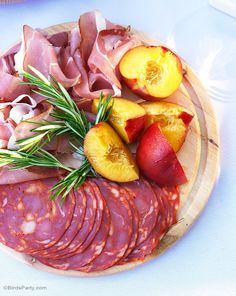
(76, 262)
(135, 225)
(89, 219)
(28, 221)
(75, 226)
(146, 204)
(120, 230)
(96, 224)
(171, 196)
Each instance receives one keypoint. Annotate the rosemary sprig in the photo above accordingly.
(104, 108)
(57, 96)
(20, 160)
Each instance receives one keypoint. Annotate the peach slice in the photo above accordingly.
(152, 72)
(173, 121)
(108, 154)
(157, 160)
(127, 118)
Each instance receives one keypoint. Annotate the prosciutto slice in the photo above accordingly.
(92, 84)
(95, 22)
(102, 46)
(7, 62)
(10, 87)
(37, 51)
(8, 176)
(109, 47)
(11, 114)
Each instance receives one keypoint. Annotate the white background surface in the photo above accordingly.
(203, 262)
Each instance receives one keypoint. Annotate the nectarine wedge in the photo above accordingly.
(127, 118)
(173, 121)
(157, 160)
(152, 72)
(108, 154)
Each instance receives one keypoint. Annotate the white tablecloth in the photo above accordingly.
(203, 262)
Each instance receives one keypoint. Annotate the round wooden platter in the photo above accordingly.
(199, 156)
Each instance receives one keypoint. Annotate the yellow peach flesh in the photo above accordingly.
(168, 117)
(123, 110)
(108, 155)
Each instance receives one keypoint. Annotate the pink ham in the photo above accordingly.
(101, 48)
(10, 88)
(40, 53)
(8, 176)
(88, 87)
(95, 22)
(7, 62)
(108, 49)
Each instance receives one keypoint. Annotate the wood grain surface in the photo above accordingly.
(199, 156)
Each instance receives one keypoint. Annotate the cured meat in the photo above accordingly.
(108, 49)
(76, 262)
(95, 22)
(98, 219)
(146, 204)
(135, 217)
(120, 230)
(23, 129)
(22, 108)
(7, 63)
(101, 48)
(28, 221)
(75, 226)
(87, 226)
(8, 176)
(171, 195)
(95, 228)
(40, 53)
(10, 87)
(92, 89)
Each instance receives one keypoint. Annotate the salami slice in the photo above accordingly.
(96, 225)
(120, 230)
(171, 196)
(75, 226)
(76, 262)
(135, 225)
(89, 219)
(28, 221)
(146, 204)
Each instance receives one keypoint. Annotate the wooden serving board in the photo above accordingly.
(199, 157)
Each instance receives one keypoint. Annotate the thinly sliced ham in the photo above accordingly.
(8, 176)
(110, 45)
(10, 87)
(23, 129)
(7, 62)
(38, 52)
(102, 46)
(11, 114)
(86, 88)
